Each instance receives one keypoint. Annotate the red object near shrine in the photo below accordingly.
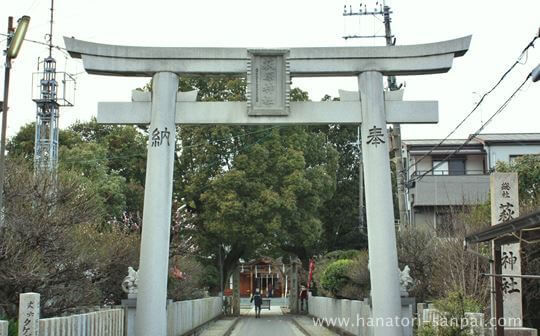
(311, 269)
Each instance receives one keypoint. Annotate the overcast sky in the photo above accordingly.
(500, 29)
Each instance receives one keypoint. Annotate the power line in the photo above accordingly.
(54, 46)
(31, 8)
(518, 61)
(472, 136)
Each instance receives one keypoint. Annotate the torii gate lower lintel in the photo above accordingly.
(268, 73)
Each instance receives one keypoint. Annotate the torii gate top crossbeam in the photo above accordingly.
(113, 60)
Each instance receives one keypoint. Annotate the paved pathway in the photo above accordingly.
(306, 324)
(271, 323)
(220, 327)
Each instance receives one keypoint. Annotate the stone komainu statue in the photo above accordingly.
(129, 285)
(405, 280)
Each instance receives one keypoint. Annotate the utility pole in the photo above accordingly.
(396, 130)
(10, 32)
(384, 10)
(14, 41)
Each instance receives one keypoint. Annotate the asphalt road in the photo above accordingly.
(267, 325)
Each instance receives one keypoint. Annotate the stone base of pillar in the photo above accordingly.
(130, 312)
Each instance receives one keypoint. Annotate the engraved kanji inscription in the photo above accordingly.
(158, 137)
(375, 136)
(506, 212)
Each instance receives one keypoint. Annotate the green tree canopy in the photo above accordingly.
(253, 190)
(112, 157)
(528, 169)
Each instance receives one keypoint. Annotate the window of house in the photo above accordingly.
(440, 167)
(456, 167)
(514, 157)
(444, 224)
(450, 167)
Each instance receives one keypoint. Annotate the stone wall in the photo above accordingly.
(108, 321)
(103, 322)
(4, 328)
(184, 316)
(353, 316)
(475, 322)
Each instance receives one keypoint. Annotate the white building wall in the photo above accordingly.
(503, 152)
(474, 164)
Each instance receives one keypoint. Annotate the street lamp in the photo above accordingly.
(535, 74)
(14, 43)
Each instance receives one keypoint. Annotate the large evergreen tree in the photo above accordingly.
(253, 190)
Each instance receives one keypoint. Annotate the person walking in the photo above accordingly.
(303, 297)
(257, 300)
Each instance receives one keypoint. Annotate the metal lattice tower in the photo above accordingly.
(50, 96)
(46, 145)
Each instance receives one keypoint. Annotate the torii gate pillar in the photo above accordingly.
(383, 259)
(153, 265)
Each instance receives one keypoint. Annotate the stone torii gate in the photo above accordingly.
(268, 75)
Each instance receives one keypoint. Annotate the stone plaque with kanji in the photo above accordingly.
(268, 83)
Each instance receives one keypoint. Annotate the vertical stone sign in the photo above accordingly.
(268, 79)
(504, 207)
(29, 314)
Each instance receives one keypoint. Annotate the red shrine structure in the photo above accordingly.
(269, 275)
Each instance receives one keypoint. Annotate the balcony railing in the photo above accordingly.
(434, 190)
(448, 172)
